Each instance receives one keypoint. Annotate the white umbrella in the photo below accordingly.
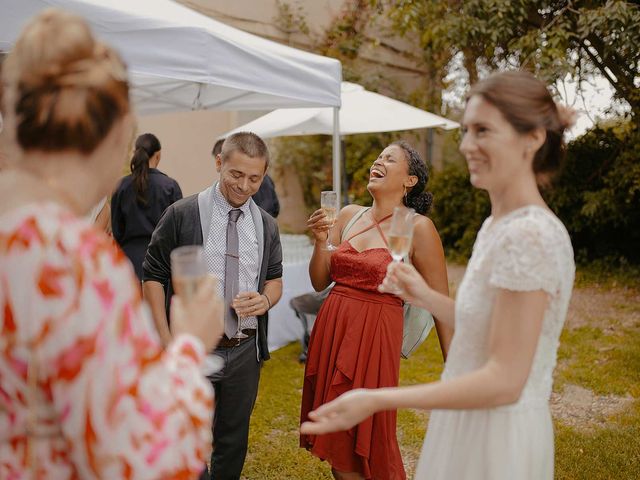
(362, 111)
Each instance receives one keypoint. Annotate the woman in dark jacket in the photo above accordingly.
(140, 200)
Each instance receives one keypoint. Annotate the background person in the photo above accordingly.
(491, 416)
(242, 246)
(140, 199)
(357, 337)
(87, 391)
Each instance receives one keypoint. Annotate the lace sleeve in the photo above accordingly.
(523, 260)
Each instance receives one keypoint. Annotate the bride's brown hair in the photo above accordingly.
(525, 102)
(63, 89)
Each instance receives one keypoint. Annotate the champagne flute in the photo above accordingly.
(188, 271)
(244, 287)
(329, 204)
(401, 233)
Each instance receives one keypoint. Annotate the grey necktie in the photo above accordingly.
(231, 274)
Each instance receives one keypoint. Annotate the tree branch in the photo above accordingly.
(621, 84)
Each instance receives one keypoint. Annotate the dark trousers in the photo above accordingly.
(236, 388)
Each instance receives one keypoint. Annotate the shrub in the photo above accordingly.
(597, 195)
(459, 209)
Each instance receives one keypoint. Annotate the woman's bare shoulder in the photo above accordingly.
(350, 210)
(347, 213)
(424, 226)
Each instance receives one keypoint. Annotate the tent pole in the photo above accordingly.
(336, 155)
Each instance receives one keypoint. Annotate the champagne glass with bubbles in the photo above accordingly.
(329, 204)
(244, 287)
(188, 271)
(401, 233)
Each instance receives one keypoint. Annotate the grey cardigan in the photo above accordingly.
(184, 222)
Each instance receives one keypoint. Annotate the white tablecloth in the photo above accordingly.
(284, 326)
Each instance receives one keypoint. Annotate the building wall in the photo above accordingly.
(187, 139)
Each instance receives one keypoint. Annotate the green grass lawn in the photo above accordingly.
(604, 359)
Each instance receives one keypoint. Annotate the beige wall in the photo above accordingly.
(187, 139)
(257, 16)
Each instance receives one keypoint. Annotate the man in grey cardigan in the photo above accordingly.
(242, 248)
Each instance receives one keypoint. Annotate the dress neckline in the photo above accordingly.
(366, 249)
(493, 223)
(36, 207)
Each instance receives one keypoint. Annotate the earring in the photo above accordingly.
(405, 194)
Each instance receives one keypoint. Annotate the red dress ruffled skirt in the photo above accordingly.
(355, 343)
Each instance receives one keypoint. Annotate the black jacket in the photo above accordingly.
(180, 225)
(132, 223)
(266, 197)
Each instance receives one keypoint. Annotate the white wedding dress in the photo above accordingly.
(526, 250)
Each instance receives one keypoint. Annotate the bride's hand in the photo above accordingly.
(342, 413)
(406, 282)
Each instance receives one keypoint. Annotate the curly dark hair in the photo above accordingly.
(416, 198)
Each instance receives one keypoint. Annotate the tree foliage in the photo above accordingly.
(552, 38)
(596, 195)
(343, 39)
(459, 209)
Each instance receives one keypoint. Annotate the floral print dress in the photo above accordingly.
(109, 402)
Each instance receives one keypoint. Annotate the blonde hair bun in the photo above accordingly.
(64, 88)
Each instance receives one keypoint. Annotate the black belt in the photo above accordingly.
(234, 342)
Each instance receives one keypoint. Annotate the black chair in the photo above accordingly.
(306, 307)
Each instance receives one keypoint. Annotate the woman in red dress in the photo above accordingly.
(357, 336)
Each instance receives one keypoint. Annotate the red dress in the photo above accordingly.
(355, 343)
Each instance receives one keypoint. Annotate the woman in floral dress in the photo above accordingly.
(85, 389)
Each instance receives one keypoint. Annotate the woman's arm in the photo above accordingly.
(103, 219)
(516, 323)
(428, 258)
(319, 265)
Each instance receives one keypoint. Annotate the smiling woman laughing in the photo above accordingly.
(357, 336)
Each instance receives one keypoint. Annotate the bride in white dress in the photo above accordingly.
(490, 416)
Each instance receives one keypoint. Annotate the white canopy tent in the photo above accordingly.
(182, 60)
(362, 111)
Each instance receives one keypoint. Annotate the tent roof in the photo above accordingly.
(180, 59)
(362, 111)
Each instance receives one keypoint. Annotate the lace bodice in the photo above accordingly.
(528, 249)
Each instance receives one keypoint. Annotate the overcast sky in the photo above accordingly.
(594, 102)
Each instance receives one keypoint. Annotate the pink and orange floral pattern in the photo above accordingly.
(110, 402)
